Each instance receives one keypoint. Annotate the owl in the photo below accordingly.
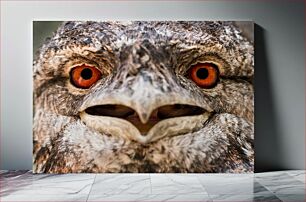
(144, 96)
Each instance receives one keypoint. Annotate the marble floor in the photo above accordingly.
(269, 186)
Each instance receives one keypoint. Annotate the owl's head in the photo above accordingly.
(135, 86)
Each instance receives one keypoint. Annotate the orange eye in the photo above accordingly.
(204, 75)
(84, 76)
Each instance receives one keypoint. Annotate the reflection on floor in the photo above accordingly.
(270, 186)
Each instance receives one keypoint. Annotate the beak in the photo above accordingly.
(143, 112)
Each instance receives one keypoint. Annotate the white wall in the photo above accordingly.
(280, 67)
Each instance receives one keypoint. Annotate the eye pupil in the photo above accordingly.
(202, 73)
(86, 73)
(84, 76)
(205, 75)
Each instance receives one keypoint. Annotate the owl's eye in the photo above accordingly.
(84, 76)
(205, 75)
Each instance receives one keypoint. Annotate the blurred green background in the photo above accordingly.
(42, 30)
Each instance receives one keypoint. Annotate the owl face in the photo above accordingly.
(144, 97)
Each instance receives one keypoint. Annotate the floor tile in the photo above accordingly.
(245, 198)
(287, 186)
(47, 184)
(259, 189)
(43, 198)
(150, 198)
(282, 183)
(121, 184)
(217, 184)
(292, 197)
(271, 173)
(14, 180)
(175, 184)
(298, 175)
(274, 174)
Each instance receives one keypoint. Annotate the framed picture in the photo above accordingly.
(143, 96)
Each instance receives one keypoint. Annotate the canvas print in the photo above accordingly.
(144, 96)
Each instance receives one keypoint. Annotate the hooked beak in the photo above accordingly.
(146, 118)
